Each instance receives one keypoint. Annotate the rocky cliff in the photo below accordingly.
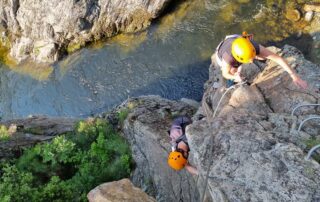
(250, 151)
(30, 131)
(247, 149)
(42, 31)
(146, 128)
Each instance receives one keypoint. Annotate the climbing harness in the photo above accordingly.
(311, 151)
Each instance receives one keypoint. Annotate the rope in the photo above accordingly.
(210, 119)
(231, 87)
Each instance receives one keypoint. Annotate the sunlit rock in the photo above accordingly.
(308, 16)
(31, 22)
(312, 7)
(293, 15)
(251, 150)
(122, 190)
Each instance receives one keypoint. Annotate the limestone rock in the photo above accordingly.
(118, 191)
(145, 128)
(56, 24)
(293, 15)
(312, 7)
(308, 16)
(277, 86)
(251, 150)
(29, 131)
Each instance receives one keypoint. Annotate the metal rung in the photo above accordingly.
(302, 105)
(311, 151)
(301, 124)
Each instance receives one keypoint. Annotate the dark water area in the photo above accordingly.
(170, 59)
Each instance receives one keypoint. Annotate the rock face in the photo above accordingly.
(122, 190)
(146, 128)
(251, 150)
(27, 132)
(42, 30)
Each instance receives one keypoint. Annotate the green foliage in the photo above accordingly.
(88, 131)
(73, 47)
(55, 190)
(60, 150)
(4, 134)
(66, 168)
(311, 143)
(122, 115)
(15, 185)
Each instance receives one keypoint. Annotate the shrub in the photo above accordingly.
(122, 115)
(4, 134)
(69, 166)
(15, 185)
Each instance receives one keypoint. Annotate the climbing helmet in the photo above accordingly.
(243, 50)
(176, 160)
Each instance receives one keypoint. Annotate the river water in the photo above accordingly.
(170, 59)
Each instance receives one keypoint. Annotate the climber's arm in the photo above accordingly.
(191, 169)
(267, 54)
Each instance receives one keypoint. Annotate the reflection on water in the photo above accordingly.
(170, 59)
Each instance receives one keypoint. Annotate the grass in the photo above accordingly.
(311, 143)
(4, 134)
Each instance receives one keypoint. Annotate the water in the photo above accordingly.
(171, 59)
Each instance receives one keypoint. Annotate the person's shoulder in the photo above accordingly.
(227, 58)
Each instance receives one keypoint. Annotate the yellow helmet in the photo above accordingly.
(243, 50)
(176, 160)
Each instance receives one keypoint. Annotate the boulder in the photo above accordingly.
(118, 191)
(312, 7)
(61, 24)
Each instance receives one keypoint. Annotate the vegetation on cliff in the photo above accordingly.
(67, 168)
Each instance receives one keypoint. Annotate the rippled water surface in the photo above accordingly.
(171, 59)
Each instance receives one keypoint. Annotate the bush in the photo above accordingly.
(15, 185)
(4, 134)
(68, 167)
(122, 115)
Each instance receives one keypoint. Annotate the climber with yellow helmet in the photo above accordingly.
(178, 157)
(236, 50)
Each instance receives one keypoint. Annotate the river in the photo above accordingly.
(170, 59)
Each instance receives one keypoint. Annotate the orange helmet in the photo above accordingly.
(242, 49)
(176, 160)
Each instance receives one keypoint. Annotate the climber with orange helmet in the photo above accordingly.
(236, 50)
(177, 159)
